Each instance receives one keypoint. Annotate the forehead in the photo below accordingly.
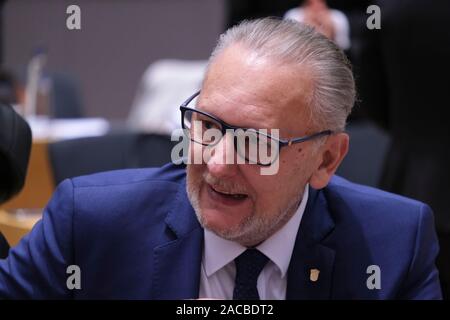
(247, 90)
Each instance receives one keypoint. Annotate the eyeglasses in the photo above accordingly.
(251, 144)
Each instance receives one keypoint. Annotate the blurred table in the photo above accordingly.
(18, 215)
(39, 183)
(44, 128)
(14, 225)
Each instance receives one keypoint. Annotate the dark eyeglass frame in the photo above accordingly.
(281, 142)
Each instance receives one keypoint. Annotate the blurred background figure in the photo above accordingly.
(343, 20)
(164, 86)
(330, 22)
(404, 88)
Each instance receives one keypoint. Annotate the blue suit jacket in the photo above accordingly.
(134, 234)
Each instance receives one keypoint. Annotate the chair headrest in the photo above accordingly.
(15, 147)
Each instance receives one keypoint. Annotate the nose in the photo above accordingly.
(221, 161)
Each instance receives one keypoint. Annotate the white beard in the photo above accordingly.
(254, 229)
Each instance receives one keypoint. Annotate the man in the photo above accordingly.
(223, 229)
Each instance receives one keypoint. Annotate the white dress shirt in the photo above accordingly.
(218, 270)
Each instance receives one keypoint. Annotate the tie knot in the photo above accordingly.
(251, 262)
(248, 267)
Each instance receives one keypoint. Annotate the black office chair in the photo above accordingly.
(71, 158)
(65, 100)
(4, 247)
(15, 147)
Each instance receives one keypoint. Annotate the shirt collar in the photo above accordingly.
(278, 248)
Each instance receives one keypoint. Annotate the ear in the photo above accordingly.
(330, 157)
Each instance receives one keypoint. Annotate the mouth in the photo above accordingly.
(226, 197)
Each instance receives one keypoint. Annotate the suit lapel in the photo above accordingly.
(311, 267)
(177, 262)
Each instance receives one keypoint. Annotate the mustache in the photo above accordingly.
(221, 185)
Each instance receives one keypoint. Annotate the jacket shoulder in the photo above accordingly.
(169, 173)
(390, 231)
(127, 193)
(360, 195)
(380, 215)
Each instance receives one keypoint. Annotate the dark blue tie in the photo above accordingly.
(248, 267)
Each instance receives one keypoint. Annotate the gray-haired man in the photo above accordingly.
(221, 229)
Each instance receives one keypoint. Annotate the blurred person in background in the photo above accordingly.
(345, 19)
(330, 22)
(164, 85)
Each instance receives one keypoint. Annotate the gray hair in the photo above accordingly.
(291, 42)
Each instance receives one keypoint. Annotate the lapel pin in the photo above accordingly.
(314, 275)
